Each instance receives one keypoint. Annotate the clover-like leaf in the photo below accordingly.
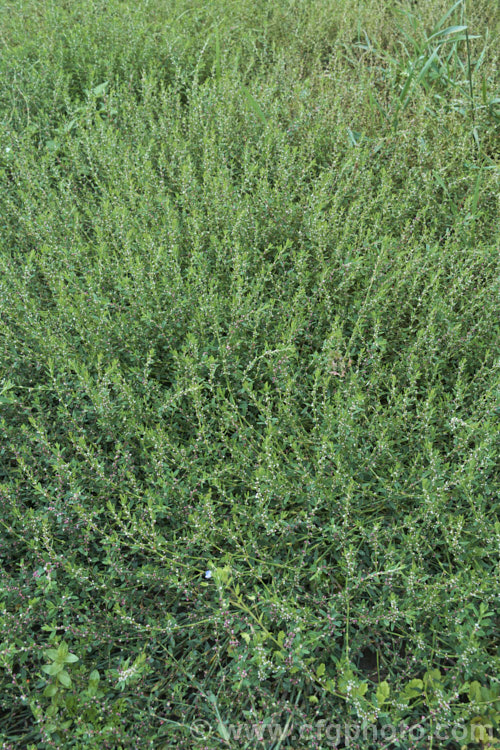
(360, 689)
(383, 692)
(330, 685)
(413, 688)
(474, 691)
(432, 677)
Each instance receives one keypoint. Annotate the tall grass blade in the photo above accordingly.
(447, 15)
(254, 105)
(218, 72)
(447, 32)
(477, 187)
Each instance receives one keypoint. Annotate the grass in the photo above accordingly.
(249, 389)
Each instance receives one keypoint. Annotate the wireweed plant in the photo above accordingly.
(249, 391)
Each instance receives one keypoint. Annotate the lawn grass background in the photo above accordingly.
(249, 353)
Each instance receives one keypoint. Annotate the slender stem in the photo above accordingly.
(469, 74)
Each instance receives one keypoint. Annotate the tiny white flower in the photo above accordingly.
(208, 574)
(7, 150)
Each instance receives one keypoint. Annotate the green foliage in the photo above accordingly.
(249, 352)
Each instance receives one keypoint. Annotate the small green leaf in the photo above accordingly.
(413, 688)
(52, 669)
(361, 689)
(223, 574)
(474, 693)
(64, 678)
(432, 677)
(320, 670)
(68, 127)
(100, 90)
(383, 692)
(223, 731)
(62, 651)
(94, 676)
(94, 679)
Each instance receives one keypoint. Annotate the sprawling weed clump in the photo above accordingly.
(249, 353)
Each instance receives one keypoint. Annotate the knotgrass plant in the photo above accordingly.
(249, 372)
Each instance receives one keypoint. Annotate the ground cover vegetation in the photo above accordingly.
(249, 390)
